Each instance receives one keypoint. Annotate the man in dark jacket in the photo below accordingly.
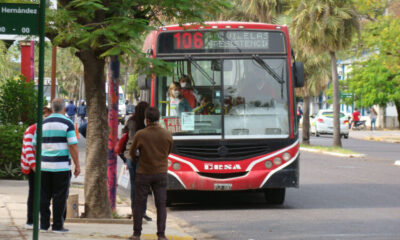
(153, 144)
(71, 111)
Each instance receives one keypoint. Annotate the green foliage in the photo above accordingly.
(325, 25)
(116, 27)
(10, 152)
(371, 9)
(376, 79)
(18, 102)
(7, 67)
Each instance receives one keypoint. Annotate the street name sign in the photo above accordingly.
(19, 19)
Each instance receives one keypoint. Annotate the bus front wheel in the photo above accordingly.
(275, 195)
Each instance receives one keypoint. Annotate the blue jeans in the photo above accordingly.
(132, 174)
(373, 123)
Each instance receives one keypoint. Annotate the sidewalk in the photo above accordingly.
(13, 196)
(392, 136)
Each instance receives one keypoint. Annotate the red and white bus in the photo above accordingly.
(240, 130)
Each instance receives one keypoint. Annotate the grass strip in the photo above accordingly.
(329, 149)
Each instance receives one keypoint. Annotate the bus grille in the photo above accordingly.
(222, 175)
(215, 152)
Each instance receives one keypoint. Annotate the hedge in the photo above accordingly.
(10, 150)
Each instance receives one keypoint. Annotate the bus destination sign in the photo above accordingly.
(19, 19)
(231, 41)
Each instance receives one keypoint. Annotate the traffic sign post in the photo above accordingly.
(28, 19)
(19, 19)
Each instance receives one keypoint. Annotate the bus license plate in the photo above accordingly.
(222, 186)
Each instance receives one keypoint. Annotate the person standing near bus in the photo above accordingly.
(28, 165)
(58, 147)
(133, 125)
(154, 144)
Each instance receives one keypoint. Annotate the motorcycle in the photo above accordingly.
(360, 125)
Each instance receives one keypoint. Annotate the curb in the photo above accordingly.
(382, 139)
(100, 220)
(332, 153)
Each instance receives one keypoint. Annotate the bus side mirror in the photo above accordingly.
(144, 82)
(298, 70)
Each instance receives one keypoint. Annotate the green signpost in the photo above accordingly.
(19, 19)
(28, 19)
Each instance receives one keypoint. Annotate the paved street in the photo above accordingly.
(373, 149)
(338, 198)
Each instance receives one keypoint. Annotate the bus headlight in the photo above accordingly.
(176, 166)
(277, 161)
(286, 156)
(268, 164)
(169, 163)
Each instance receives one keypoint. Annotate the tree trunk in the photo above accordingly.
(113, 93)
(306, 120)
(336, 102)
(397, 104)
(95, 188)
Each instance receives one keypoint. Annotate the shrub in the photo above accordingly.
(10, 151)
(18, 102)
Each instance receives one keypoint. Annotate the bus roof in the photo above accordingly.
(222, 25)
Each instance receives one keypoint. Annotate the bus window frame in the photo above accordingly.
(235, 57)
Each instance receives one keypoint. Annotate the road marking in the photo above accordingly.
(397, 163)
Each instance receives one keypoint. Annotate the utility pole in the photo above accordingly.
(53, 71)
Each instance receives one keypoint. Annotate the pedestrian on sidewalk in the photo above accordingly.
(82, 113)
(356, 117)
(133, 125)
(59, 143)
(28, 165)
(154, 144)
(71, 111)
(372, 115)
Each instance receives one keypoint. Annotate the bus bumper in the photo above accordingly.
(288, 176)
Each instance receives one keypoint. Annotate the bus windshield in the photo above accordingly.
(230, 98)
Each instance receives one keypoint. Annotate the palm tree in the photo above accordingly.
(317, 75)
(326, 26)
(265, 11)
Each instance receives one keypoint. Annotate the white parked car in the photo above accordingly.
(322, 123)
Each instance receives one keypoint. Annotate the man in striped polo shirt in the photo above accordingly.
(58, 146)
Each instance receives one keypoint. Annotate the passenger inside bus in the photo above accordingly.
(227, 104)
(177, 103)
(187, 91)
(205, 108)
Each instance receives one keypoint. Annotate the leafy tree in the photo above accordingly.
(7, 67)
(317, 75)
(371, 9)
(377, 79)
(326, 26)
(266, 11)
(18, 102)
(100, 28)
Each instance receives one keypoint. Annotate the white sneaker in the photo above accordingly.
(28, 226)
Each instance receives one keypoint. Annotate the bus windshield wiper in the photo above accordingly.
(268, 68)
(196, 65)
